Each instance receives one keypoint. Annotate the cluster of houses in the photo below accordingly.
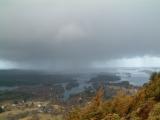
(39, 107)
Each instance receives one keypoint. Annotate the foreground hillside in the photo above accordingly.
(144, 105)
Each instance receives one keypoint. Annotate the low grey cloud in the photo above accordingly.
(72, 35)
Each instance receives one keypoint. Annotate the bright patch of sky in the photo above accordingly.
(7, 65)
(145, 61)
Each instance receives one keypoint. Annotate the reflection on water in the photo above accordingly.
(135, 76)
(83, 83)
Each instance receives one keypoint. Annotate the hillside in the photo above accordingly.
(143, 105)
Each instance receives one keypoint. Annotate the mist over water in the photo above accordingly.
(88, 37)
(79, 35)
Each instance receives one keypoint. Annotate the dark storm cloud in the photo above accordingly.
(60, 35)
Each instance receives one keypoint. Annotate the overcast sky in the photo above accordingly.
(79, 34)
